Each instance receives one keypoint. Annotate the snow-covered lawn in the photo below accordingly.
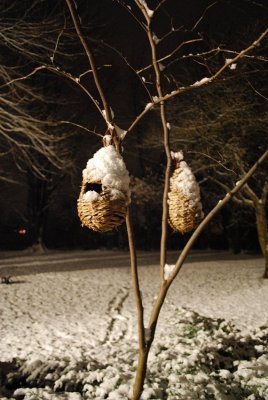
(72, 335)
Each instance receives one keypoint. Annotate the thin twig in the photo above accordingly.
(57, 41)
(170, 54)
(81, 127)
(202, 16)
(58, 71)
(256, 91)
(87, 49)
(199, 84)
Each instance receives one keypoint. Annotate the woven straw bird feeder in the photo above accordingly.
(102, 211)
(184, 206)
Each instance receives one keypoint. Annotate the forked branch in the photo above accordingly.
(142, 365)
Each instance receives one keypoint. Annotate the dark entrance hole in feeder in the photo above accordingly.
(96, 187)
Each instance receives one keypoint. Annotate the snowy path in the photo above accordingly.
(66, 313)
(16, 263)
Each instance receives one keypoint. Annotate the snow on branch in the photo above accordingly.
(170, 54)
(231, 66)
(145, 7)
(202, 81)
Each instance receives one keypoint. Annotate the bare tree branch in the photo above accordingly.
(198, 84)
(202, 16)
(78, 28)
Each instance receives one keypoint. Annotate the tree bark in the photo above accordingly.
(265, 275)
(140, 373)
(262, 229)
(38, 196)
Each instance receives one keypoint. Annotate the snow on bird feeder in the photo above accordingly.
(104, 195)
(185, 208)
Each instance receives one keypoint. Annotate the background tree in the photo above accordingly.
(33, 145)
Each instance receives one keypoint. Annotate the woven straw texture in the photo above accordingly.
(103, 214)
(182, 217)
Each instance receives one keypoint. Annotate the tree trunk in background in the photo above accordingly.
(37, 210)
(262, 229)
(265, 275)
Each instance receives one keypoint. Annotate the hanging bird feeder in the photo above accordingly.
(104, 196)
(184, 206)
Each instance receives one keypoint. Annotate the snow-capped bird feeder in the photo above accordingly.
(104, 196)
(185, 208)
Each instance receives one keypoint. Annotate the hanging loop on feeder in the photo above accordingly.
(177, 157)
(111, 138)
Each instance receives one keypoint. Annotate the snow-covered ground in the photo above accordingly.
(71, 334)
